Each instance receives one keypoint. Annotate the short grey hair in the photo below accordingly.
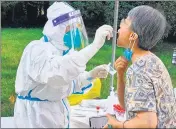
(149, 24)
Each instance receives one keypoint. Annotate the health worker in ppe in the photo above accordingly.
(53, 68)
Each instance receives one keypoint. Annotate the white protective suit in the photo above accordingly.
(45, 78)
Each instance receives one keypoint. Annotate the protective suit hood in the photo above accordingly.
(55, 34)
(65, 27)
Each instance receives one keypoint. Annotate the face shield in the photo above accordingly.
(75, 36)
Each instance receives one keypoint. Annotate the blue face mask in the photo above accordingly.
(76, 39)
(128, 54)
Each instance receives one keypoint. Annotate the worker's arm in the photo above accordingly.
(142, 120)
(54, 70)
(85, 79)
(82, 83)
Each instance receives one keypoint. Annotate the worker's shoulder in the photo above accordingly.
(36, 45)
(35, 48)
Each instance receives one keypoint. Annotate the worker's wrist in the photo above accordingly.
(89, 76)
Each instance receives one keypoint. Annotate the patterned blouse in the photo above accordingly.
(149, 88)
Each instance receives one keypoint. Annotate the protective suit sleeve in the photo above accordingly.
(48, 68)
(82, 83)
(99, 40)
(84, 80)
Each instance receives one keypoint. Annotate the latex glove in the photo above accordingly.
(101, 34)
(99, 72)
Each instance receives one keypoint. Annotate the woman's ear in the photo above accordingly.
(133, 37)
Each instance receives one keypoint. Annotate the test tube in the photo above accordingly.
(110, 69)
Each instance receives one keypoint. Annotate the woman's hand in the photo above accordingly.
(113, 122)
(121, 65)
(142, 120)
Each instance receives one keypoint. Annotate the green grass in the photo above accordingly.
(14, 42)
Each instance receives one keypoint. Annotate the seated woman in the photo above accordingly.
(147, 94)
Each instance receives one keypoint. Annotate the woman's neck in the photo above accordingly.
(138, 53)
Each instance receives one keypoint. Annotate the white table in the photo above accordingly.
(8, 122)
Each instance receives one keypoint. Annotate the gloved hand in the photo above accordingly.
(99, 72)
(101, 34)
